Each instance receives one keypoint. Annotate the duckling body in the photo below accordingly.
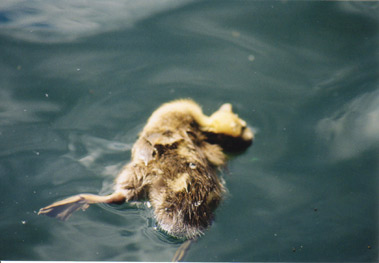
(174, 166)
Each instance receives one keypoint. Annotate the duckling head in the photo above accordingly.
(227, 126)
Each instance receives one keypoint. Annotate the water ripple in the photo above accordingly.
(57, 21)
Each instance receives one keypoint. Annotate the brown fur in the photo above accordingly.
(174, 165)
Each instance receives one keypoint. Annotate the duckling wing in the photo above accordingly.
(143, 150)
(164, 138)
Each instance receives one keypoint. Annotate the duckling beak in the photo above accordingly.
(247, 134)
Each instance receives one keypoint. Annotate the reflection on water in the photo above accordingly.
(354, 128)
(88, 151)
(55, 21)
(14, 111)
(79, 80)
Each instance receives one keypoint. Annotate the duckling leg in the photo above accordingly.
(64, 208)
(182, 250)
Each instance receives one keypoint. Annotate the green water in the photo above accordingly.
(78, 82)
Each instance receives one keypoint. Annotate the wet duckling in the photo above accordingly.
(174, 165)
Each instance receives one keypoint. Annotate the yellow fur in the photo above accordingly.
(174, 165)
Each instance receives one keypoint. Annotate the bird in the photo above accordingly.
(174, 165)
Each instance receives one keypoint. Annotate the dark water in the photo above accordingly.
(79, 79)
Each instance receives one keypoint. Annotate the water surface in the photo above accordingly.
(79, 80)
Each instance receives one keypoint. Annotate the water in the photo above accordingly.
(79, 79)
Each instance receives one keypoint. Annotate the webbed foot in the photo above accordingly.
(182, 250)
(63, 209)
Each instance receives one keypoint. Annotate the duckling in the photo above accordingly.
(174, 166)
